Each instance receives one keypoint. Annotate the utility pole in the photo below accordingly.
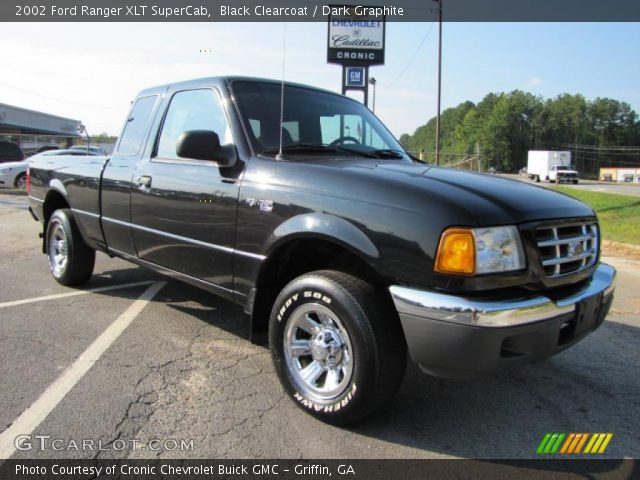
(373, 82)
(439, 80)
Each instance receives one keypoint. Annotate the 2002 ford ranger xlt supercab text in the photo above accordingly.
(330, 235)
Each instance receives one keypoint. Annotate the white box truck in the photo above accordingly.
(551, 166)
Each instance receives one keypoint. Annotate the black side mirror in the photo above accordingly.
(205, 145)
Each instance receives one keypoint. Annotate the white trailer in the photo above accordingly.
(551, 165)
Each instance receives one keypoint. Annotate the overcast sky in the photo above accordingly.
(91, 71)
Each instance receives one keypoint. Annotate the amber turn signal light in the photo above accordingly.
(456, 252)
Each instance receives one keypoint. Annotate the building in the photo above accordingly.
(31, 129)
(620, 174)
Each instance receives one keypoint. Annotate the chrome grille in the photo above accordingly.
(567, 249)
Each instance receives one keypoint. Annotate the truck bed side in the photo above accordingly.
(73, 182)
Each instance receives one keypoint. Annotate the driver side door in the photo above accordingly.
(184, 210)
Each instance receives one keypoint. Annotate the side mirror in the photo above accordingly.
(205, 145)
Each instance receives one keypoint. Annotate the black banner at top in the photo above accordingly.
(313, 10)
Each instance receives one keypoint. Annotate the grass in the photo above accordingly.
(619, 215)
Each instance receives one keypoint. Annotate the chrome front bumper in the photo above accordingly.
(447, 333)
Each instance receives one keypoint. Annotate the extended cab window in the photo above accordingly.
(133, 133)
(192, 110)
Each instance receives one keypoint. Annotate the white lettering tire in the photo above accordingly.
(337, 346)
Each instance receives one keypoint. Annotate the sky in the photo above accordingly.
(92, 71)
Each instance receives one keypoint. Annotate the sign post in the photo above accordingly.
(356, 42)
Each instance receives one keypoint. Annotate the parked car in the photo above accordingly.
(10, 152)
(89, 150)
(350, 255)
(72, 152)
(14, 174)
(46, 148)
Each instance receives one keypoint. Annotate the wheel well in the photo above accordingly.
(54, 201)
(296, 258)
(19, 176)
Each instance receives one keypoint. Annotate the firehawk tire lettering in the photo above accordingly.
(337, 346)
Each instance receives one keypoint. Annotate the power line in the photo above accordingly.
(56, 99)
(413, 57)
(601, 148)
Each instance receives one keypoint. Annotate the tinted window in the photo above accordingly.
(133, 134)
(192, 110)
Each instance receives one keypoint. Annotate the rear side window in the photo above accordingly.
(133, 134)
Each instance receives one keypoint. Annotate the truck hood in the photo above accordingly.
(472, 198)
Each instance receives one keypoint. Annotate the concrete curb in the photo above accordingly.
(13, 191)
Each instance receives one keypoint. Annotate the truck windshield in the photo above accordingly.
(315, 123)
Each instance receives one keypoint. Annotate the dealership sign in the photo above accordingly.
(354, 37)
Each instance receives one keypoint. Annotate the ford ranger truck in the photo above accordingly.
(340, 245)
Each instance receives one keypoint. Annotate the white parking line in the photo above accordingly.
(73, 294)
(29, 420)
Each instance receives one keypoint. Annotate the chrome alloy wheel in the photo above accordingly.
(58, 250)
(318, 352)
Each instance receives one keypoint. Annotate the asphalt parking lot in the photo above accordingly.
(181, 369)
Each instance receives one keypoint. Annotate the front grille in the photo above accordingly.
(567, 249)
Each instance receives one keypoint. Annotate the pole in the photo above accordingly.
(439, 80)
(373, 82)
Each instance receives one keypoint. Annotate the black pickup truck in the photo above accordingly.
(298, 204)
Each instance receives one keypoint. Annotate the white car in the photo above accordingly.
(14, 174)
(89, 150)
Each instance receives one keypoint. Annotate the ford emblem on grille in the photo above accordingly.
(574, 249)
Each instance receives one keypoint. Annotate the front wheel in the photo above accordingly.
(70, 259)
(21, 181)
(337, 346)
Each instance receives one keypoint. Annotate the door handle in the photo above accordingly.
(144, 181)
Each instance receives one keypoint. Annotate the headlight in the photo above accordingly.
(471, 251)
(5, 170)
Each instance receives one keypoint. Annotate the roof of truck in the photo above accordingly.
(219, 82)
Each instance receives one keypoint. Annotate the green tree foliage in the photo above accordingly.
(504, 126)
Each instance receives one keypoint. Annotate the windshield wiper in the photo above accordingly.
(314, 147)
(387, 153)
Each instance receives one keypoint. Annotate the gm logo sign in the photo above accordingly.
(355, 77)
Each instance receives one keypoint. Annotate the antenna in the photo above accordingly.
(280, 156)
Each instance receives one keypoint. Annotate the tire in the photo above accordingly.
(537, 178)
(351, 352)
(21, 181)
(70, 259)
(575, 182)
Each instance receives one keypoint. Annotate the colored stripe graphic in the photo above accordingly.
(543, 443)
(579, 446)
(552, 442)
(567, 443)
(605, 443)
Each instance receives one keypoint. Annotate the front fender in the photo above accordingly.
(324, 226)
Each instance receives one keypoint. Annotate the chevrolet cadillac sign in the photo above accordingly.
(355, 38)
